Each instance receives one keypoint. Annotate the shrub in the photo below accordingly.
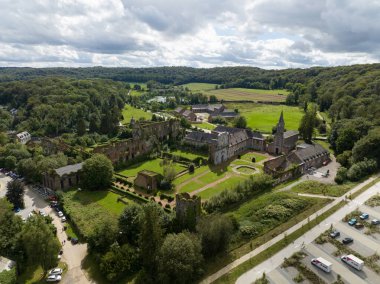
(341, 175)
(191, 168)
(361, 169)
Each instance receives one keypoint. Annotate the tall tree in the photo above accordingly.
(307, 125)
(150, 238)
(130, 223)
(40, 244)
(180, 259)
(240, 122)
(97, 172)
(15, 193)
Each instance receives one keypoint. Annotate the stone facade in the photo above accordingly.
(296, 163)
(284, 141)
(62, 178)
(188, 210)
(23, 137)
(148, 180)
(145, 137)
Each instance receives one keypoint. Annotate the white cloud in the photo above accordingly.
(263, 33)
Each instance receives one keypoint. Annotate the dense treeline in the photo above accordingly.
(52, 106)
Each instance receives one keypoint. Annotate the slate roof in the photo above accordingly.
(69, 169)
(187, 113)
(179, 110)
(306, 152)
(290, 133)
(211, 107)
(202, 137)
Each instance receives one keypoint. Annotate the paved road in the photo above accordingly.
(3, 184)
(72, 254)
(276, 260)
(307, 238)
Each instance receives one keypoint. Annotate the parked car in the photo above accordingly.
(53, 278)
(375, 222)
(347, 240)
(74, 241)
(334, 234)
(17, 209)
(364, 216)
(63, 219)
(56, 271)
(43, 213)
(359, 226)
(60, 214)
(352, 222)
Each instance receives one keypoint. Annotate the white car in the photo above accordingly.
(43, 213)
(60, 214)
(63, 219)
(31, 214)
(53, 278)
(56, 271)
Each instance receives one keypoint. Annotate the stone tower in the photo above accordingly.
(188, 210)
(279, 136)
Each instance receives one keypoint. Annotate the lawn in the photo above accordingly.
(129, 112)
(199, 87)
(242, 94)
(250, 155)
(35, 274)
(204, 125)
(188, 155)
(230, 183)
(151, 165)
(87, 208)
(265, 117)
(314, 187)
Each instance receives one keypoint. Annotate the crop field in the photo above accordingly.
(264, 117)
(199, 87)
(129, 112)
(241, 94)
(150, 165)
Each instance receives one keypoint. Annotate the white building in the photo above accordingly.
(24, 137)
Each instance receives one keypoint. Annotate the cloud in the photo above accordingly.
(263, 33)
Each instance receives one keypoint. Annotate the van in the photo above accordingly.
(322, 264)
(353, 261)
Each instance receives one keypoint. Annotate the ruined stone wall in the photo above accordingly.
(188, 210)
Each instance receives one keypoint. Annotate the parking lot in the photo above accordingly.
(364, 244)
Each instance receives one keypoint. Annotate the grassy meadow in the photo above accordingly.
(129, 112)
(204, 125)
(242, 94)
(264, 117)
(199, 87)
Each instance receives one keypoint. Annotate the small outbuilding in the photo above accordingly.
(148, 180)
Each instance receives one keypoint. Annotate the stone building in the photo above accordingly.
(62, 178)
(225, 142)
(225, 113)
(188, 210)
(207, 108)
(188, 114)
(148, 180)
(145, 137)
(23, 137)
(297, 162)
(284, 141)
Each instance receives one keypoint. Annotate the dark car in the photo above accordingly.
(334, 234)
(359, 225)
(347, 241)
(74, 241)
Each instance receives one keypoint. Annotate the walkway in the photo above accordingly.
(227, 176)
(277, 259)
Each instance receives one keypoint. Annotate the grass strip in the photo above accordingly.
(233, 275)
(364, 188)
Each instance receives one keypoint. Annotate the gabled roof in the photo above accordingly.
(290, 133)
(306, 152)
(202, 137)
(187, 113)
(68, 169)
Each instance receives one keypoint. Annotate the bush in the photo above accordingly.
(344, 159)
(191, 168)
(361, 169)
(341, 175)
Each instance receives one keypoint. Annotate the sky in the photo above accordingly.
(270, 34)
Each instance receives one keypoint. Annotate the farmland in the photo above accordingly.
(265, 117)
(241, 94)
(199, 87)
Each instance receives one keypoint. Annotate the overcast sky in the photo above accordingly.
(198, 33)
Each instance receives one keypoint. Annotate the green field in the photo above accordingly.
(151, 165)
(314, 187)
(248, 157)
(199, 87)
(204, 125)
(264, 117)
(242, 94)
(129, 112)
(230, 183)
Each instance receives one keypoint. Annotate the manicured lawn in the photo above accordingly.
(230, 183)
(198, 87)
(188, 155)
(151, 165)
(314, 187)
(242, 94)
(129, 112)
(265, 117)
(250, 155)
(35, 274)
(204, 125)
